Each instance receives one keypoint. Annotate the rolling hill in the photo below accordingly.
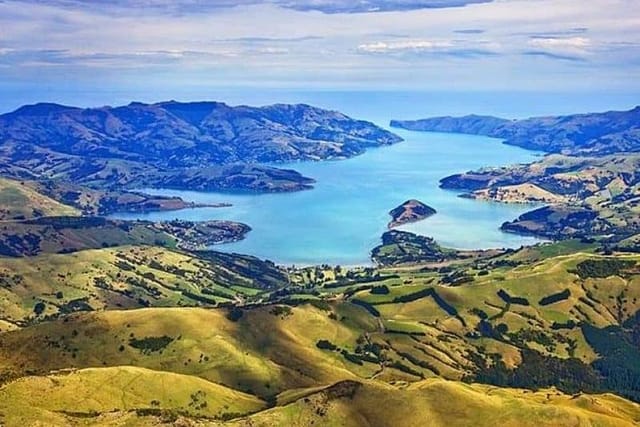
(121, 394)
(19, 201)
(141, 397)
(441, 403)
(510, 321)
(52, 285)
(588, 196)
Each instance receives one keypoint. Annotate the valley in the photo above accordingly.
(532, 319)
(319, 213)
(148, 325)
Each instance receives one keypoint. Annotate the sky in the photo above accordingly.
(147, 46)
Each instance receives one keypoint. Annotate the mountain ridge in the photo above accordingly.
(198, 145)
(578, 134)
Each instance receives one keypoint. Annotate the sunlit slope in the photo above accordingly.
(262, 353)
(440, 403)
(82, 396)
(419, 329)
(35, 288)
(504, 309)
(140, 397)
(544, 321)
(18, 201)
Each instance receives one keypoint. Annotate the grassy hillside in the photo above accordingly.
(263, 353)
(93, 201)
(502, 322)
(442, 403)
(19, 201)
(137, 397)
(590, 196)
(124, 389)
(526, 310)
(68, 234)
(47, 286)
(556, 315)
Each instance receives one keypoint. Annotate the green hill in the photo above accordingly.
(140, 397)
(18, 201)
(443, 403)
(527, 321)
(118, 392)
(47, 286)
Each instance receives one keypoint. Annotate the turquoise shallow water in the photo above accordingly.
(342, 219)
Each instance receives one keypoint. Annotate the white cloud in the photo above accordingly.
(274, 50)
(572, 43)
(405, 45)
(560, 48)
(503, 44)
(198, 6)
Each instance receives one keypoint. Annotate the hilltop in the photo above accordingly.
(580, 134)
(195, 146)
(588, 197)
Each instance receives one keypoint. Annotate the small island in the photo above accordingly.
(410, 211)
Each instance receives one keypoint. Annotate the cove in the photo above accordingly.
(344, 216)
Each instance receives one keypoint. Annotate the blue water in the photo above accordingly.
(343, 217)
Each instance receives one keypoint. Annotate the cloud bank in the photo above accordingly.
(325, 6)
(429, 44)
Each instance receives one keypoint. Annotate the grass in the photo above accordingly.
(57, 235)
(549, 250)
(403, 327)
(444, 403)
(600, 185)
(258, 339)
(264, 355)
(261, 353)
(394, 292)
(18, 201)
(96, 391)
(114, 278)
(136, 397)
(520, 193)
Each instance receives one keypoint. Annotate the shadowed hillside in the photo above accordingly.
(195, 146)
(579, 134)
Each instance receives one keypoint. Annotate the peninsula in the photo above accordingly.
(590, 134)
(206, 146)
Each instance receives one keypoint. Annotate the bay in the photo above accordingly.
(344, 216)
